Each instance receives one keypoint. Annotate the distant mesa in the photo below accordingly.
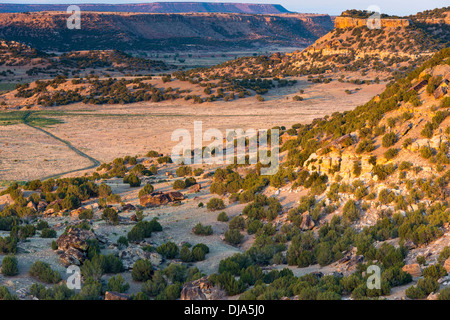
(156, 7)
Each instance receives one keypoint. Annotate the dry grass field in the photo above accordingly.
(110, 131)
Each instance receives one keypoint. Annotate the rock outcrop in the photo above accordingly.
(202, 289)
(347, 22)
(307, 222)
(132, 253)
(73, 245)
(159, 198)
(447, 265)
(112, 295)
(413, 269)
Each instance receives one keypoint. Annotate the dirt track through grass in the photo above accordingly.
(95, 162)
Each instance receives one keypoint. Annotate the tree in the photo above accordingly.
(389, 139)
(44, 272)
(9, 266)
(117, 284)
(350, 211)
(169, 250)
(215, 204)
(111, 216)
(202, 230)
(233, 236)
(222, 217)
(148, 189)
(179, 185)
(142, 270)
(132, 180)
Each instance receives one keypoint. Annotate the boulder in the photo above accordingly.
(31, 205)
(447, 265)
(154, 199)
(195, 188)
(128, 207)
(112, 295)
(5, 200)
(192, 293)
(42, 206)
(409, 244)
(160, 198)
(75, 238)
(76, 212)
(307, 222)
(73, 245)
(133, 253)
(413, 269)
(175, 196)
(433, 296)
(72, 256)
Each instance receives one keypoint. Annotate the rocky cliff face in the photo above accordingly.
(347, 22)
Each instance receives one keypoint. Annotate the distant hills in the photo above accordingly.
(163, 31)
(156, 7)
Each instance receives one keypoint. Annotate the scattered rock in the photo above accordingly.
(128, 207)
(160, 198)
(307, 222)
(202, 289)
(433, 296)
(112, 295)
(447, 265)
(76, 212)
(132, 253)
(195, 188)
(413, 269)
(73, 245)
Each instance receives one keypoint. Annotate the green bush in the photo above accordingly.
(233, 237)
(391, 153)
(202, 230)
(44, 272)
(9, 266)
(389, 139)
(215, 204)
(169, 250)
(86, 214)
(148, 189)
(48, 233)
(6, 295)
(350, 211)
(122, 241)
(144, 229)
(444, 294)
(179, 185)
(184, 171)
(132, 180)
(117, 284)
(434, 271)
(222, 217)
(424, 287)
(110, 215)
(142, 270)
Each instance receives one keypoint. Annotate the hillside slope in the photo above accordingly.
(399, 45)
